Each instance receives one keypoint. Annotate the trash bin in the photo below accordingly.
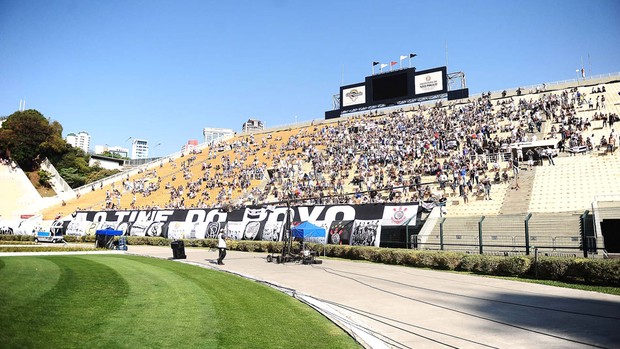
(178, 249)
(103, 241)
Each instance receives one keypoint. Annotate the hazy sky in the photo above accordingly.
(164, 70)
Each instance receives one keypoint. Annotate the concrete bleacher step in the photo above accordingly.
(477, 205)
(574, 182)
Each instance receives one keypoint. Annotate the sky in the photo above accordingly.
(164, 70)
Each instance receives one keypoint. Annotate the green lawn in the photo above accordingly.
(113, 301)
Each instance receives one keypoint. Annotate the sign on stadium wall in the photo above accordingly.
(429, 82)
(344, 224)
(354, 96)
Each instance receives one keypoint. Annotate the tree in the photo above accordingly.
(70, 175)
(114, 155)
(28, 137)
(72, 157)
(54, 144)
(98, 173)
(45, 178)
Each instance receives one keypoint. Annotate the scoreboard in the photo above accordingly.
(390, 88)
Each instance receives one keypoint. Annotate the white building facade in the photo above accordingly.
(213, 135)
(80, 140)
(252, 125)
(139, 149)
(106, 162)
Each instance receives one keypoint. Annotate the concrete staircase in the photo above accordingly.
(518, 201)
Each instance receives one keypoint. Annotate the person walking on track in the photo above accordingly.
(221, 245)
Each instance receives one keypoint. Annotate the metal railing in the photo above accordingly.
(503, 244)
(552, 85)
(510, 234)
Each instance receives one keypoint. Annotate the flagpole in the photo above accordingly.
(373, 66)
(411, 55)
(446, 54)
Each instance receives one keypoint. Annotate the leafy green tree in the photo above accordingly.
(72, 177)
(73, 157)
(55, 144)
(113, 155)
(28, 137)
(45, 178)
(98, 173)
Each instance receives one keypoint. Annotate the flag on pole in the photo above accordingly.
(583, 73)
(411, 55)
(401, 61)
(373, 66)
(392, 64)
(382, 66)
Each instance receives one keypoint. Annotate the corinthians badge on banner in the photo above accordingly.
(399, 215)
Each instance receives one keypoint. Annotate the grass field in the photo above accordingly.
(113, 301)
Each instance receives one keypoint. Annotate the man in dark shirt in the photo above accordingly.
(515, 171)
(530, 158)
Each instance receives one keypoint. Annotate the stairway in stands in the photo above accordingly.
(518, 201)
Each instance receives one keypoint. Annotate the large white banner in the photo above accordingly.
(399, 215)
(344, 224)
(354, 96)
(430, 82)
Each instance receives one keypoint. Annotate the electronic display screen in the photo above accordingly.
(389, 87)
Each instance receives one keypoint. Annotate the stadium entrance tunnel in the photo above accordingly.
(610, 229)
(399, 237)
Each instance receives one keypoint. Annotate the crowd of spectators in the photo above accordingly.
(462, 147)
(423, 153)
(446, 144)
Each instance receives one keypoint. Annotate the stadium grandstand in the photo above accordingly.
(543, 157)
